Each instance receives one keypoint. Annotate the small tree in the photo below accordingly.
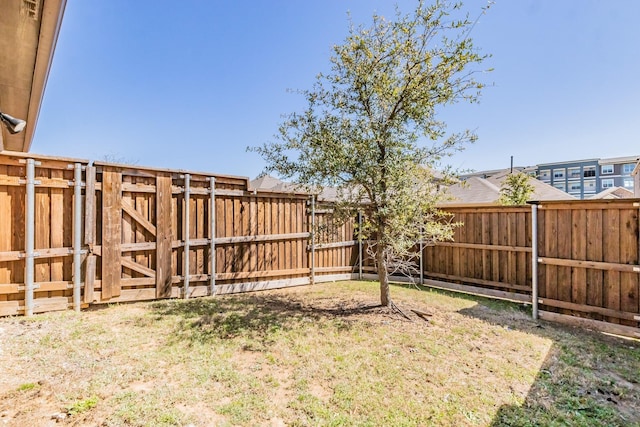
(516, 189)
(365, 118)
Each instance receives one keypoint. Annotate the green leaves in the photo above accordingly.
(367, 119)
(516, 189)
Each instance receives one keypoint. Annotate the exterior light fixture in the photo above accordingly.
(14, 125)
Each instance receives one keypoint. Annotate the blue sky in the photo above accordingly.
(191, 84)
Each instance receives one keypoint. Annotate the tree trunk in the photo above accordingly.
(383, 277)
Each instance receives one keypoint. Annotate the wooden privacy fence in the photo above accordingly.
(588, 262)
(164, 233)
(39, 268)
(74, 233)
(335, 247)
(583, 269)
(490, 254)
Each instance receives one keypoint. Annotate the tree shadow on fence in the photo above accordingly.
(586, 378)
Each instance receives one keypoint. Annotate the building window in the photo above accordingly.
(627, 168)
(545, 174)
(607, 183)
(574, 172)
(558, 173)
(560, 186)
(589, 171)
(606, 169)
(575, 187)
(628, 183)
(590, 185)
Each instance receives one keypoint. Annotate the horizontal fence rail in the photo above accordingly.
(586, 260)
(75, 233)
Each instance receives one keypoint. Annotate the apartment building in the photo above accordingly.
(586, 178)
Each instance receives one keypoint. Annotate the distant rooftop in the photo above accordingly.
(614, 193)
(627, 159)
(476, 189)
(488, 173)
(568, 161)
(270, 183)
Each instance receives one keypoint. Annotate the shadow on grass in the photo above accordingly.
(586, 379)
(493, 303)
(257, 316)
(569, 392)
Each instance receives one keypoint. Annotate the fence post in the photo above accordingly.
(77, 237)
(359, 245)
(185, 235)
(313, 239)
(30, 238)
(534, 260)
(637, 205)
(212, 226)
(421, 257)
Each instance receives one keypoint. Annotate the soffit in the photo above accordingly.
(28, 33)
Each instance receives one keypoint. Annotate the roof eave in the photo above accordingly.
(52, 14)
(28, 35)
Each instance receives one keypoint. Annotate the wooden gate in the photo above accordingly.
(135, 235)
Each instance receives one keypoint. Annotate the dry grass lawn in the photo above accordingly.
(313, 356)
